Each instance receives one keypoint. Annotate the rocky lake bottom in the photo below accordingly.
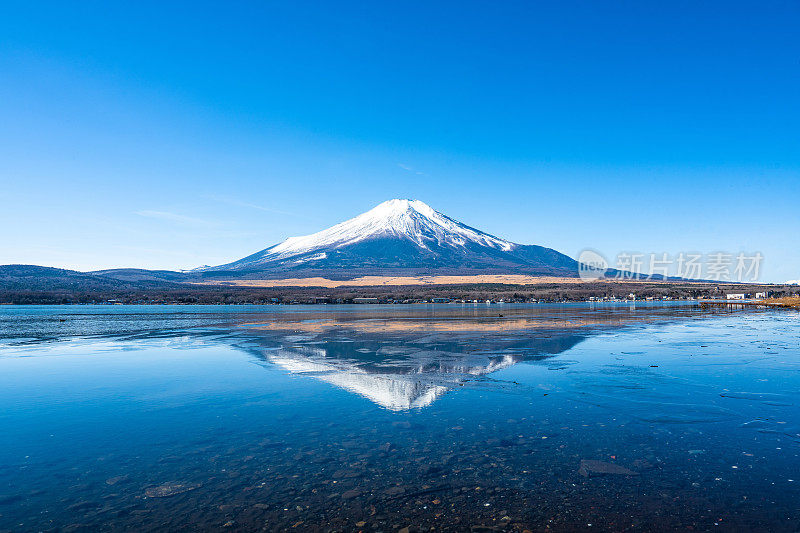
(596, 417)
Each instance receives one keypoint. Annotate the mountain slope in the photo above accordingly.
(405, 237)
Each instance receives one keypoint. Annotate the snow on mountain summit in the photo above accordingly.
(405, 219)
(397, 237)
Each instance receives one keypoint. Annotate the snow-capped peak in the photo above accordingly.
(407, 219)
(399, 237)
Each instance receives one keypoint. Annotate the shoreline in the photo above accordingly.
(785, 303)
(546, 290)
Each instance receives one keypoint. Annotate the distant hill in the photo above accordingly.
(138, 275)
(40, 278)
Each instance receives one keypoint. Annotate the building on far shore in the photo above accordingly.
(365, 300)
(735, 296)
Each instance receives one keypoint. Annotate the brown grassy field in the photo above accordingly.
(379, 281)
(789, 301)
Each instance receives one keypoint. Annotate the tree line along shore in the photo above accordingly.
(780, 295)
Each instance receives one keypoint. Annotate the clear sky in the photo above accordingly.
(169, 135)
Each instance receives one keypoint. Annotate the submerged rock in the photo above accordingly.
(169, 489)
(590, 467)
(116, 479)
(394, 491)
(82, 506)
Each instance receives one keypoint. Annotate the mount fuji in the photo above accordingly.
(397, 237)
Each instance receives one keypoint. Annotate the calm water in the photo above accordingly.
(345, 418)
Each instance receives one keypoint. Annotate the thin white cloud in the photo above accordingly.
(240, 203)
(174, 217)
(409, 169)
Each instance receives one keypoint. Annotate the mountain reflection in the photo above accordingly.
(400, 375)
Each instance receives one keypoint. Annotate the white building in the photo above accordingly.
(736, 296)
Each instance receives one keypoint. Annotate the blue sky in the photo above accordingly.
(170, 136)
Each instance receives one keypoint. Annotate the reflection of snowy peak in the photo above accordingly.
(413, 385)
(406, 235)
(403, 373)
(392, 391)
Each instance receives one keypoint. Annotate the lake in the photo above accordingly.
(465, 417)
